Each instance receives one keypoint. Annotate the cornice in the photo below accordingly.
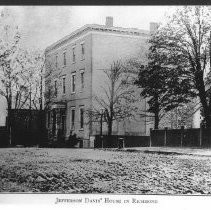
(99, 28)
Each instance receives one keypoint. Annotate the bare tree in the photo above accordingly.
(9, 73)
(21, 70)
(117, 99)
(29, 87)
(50, 75)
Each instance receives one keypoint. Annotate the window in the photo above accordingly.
(63, 85)
(82, 51)
(82, 79)
(72, 118)
(55, 88)
(74, 55)
(56, 61)
(64, 58)
(81, 117)
(73, 83)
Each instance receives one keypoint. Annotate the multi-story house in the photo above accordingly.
(76, 63)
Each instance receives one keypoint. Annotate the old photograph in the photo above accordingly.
(105, 100)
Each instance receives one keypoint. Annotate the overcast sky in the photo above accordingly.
(43, 25)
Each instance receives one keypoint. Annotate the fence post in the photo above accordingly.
(101, 140)
(200, 135)
(182, 136)
(150, 138)
(121, 143)
(165, 136)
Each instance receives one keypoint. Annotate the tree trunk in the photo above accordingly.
(207, 117)
(9, 108)
(203, 100)
(209, 109)
(110, 122)
(156, 109)
(41, 95)
(156, 123)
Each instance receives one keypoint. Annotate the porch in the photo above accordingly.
(56, 121)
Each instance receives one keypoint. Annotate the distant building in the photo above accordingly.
(197, 118)
(78, 61)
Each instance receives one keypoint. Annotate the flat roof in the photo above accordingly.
(96, 27)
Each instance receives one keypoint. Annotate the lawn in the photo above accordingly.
(102, 171)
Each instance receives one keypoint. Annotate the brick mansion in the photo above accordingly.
(77, 62)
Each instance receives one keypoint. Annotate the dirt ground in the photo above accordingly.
(102, 171)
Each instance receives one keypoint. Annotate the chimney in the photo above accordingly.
(109, 21)
(153, 27)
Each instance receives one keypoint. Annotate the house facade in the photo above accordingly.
(75, 72)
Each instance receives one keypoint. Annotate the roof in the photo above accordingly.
(96, 27)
